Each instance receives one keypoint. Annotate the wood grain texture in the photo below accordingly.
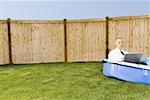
(4, 48)
(86, 40)
(37, 42)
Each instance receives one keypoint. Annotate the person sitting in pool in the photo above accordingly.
(118, 54)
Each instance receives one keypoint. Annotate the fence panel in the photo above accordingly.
(37, 41)
(4, 47)
(86, 40)
(133, 30)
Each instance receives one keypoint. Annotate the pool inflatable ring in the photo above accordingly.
(127, 71)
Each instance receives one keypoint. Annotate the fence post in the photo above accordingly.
(107, 36)
(9, 41)
(65, 40)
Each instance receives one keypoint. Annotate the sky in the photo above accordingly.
(79, 9)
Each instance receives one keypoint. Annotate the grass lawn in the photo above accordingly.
(62, 81)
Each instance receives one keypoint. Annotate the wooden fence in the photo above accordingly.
(35, 41)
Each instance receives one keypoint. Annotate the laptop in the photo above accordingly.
(133, 57)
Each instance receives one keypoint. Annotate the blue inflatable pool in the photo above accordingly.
(127, 71)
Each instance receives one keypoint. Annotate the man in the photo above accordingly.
(118, 54)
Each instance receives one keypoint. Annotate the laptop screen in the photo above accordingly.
(133, 57)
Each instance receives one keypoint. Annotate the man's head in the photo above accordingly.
(118, 42)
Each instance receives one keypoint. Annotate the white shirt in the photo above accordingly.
(116, 54)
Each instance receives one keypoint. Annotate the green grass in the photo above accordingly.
(62, 81)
